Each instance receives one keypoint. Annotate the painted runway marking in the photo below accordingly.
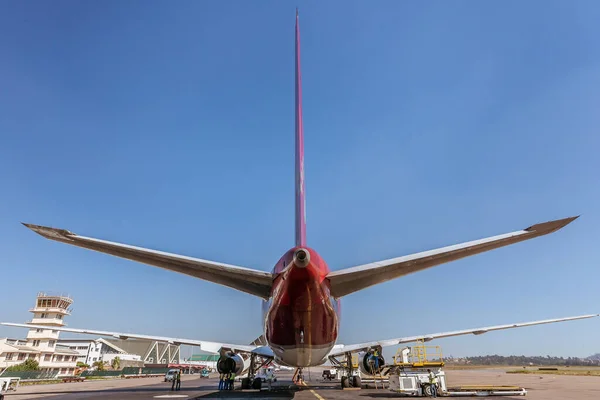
(317, 395)
(170, 396)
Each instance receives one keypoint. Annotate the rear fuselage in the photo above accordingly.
(301, 317)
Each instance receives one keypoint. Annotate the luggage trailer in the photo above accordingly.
(415, 382)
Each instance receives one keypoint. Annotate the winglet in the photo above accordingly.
(50, 233)
(551, 226)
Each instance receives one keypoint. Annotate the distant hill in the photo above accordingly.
(523, 360)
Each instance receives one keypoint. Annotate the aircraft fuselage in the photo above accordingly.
(301, 317)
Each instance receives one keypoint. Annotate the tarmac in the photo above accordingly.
(539, 387)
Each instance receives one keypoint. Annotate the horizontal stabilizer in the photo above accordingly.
(246, 280)
(353, 279)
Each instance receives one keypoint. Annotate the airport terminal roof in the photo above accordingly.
(204, 357)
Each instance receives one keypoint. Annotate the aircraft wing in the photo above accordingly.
(212, 347)
(259, 341)
(341, 349)
(353, 279)
(246, 280)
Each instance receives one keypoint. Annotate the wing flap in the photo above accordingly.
(341, 349)
(260, 341)
(247, 280)
(350, 280)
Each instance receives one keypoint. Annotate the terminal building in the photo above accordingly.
(205, 360)
(153, 353)
(92, 351)
(60, 356)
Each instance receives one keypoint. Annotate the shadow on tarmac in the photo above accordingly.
(281, 392)
(135, 389)
(274, 394)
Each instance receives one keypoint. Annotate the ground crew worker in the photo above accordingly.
(376, 356)
(178, 387)
(226, 381)
(232, 381)
(269, 377)
(432, 383)
(221, 380)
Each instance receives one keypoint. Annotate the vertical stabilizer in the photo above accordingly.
(300, 192)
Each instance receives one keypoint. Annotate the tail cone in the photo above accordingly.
(301, 258)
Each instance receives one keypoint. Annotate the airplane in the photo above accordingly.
(301, 296)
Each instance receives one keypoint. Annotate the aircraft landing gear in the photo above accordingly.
(250, 382)
(348, 379)
(298, 377)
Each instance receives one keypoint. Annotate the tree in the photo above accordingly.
(99, 365)
(82, 365)
(116, 363)
(29, 365)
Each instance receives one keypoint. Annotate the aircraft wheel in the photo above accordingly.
(345, 382)
(356, 382)
(427, 390)
(245, 383)
(257, 384)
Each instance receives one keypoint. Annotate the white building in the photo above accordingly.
(41, 344)
(153, 353)
(91, 351)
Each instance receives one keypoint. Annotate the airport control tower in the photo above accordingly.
(49, 310)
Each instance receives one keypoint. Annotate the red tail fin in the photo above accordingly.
(300, 193)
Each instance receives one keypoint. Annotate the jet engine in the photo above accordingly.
(231, 362)
(367, 365)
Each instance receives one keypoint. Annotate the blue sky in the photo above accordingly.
(171, 127)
